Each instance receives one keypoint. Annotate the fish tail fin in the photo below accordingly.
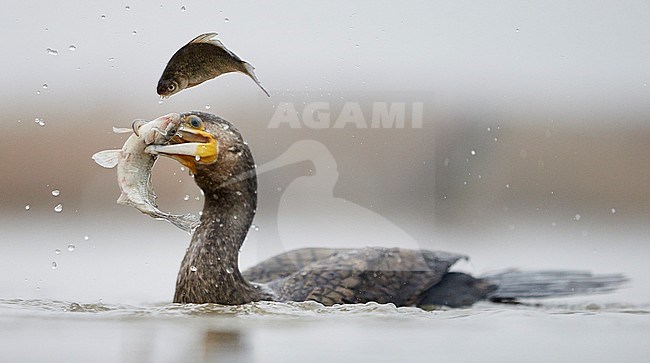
(107, 158)
(514, 284)
(249, 70)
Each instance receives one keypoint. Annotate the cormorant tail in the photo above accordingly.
(514, 284)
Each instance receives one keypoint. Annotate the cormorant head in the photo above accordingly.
(212, 149)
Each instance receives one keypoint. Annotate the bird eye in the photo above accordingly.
(195, 122)
(171, 87)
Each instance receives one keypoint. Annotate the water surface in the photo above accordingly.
(295, 332)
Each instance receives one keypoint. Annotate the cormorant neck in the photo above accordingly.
(210, 270)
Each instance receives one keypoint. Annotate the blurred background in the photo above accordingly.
(532, 152)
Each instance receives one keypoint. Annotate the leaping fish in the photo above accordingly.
(202, 59)
(134, 168)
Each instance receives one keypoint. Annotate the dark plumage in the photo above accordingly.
(209, 272)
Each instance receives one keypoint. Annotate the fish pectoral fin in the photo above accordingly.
(107, 158)
(123, 199)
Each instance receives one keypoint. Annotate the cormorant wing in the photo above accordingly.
(285, 264)
(382, 275)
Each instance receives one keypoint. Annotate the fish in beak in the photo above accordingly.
(191, 144)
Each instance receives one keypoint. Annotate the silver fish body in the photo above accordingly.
(134, 168)
(202, 59)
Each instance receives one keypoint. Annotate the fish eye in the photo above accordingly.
(171, 87)
(195, 121)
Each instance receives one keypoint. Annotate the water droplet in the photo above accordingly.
(193, 268)
(53, 265)
(577, 217)
(197, 158)
(57, 251)
(255, 227)
(496, 139)
(134, 32)
(230, 270)
(226, 20)
(234, 217)
(72, 47)
(51, 51)
(489, 129)
(238, 193)
(473, 152)
(183, 8)
(58, 208)
(507, 185)
(71, 247)
(182, 168)
(517, 30)
(103, 17)
(39, 121)
(197, 198)
(86, 238)
(279, 189)
(45, 86)
(207, 107)
(127, 7)
(186, 197)
(111, 59)
(56, 192)
(27, 207)
(613, 210)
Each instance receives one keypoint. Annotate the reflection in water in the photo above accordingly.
(226, 346)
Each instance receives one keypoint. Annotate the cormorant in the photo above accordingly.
(209, 272)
